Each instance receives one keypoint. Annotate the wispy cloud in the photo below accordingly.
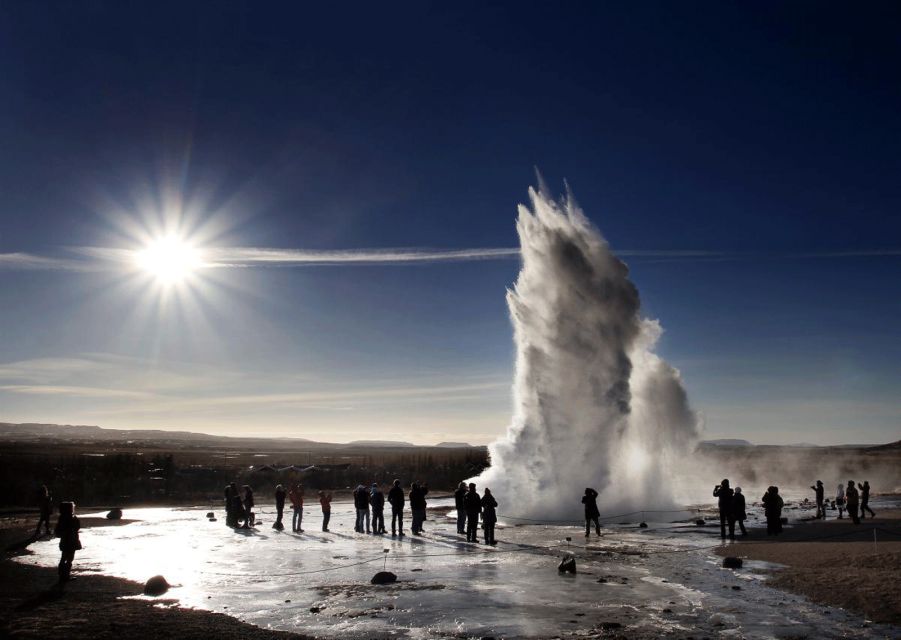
(100, 258)
(30, 261)
(76, 392)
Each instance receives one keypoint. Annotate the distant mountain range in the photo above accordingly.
(61, 433)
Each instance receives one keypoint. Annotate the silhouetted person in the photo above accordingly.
(460, 503)
(325, 501)
(473, 504)
(45, 507)
(250, 517)
(377, 501)
(592, 514)
(280, 496)
(295, 495)
(865, 499)
(840, 499)
(725, 493)
(738, 510)
(772, 509)
(852, 502)
(489, 516)
(67, 527)
(231, 518)
(418, 506)
(361, 504)
(238, 514)
(396, 500)
(820, 493)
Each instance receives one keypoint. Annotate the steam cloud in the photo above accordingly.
(593, 405)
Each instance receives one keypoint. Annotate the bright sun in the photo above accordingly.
(170, 259)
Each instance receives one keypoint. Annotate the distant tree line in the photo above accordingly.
(198, 477)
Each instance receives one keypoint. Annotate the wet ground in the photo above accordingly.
(632, 582)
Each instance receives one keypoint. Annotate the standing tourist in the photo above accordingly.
(592, 513)
(377, 501)
(772, 509)
(489, 516)
(865, 499)
(820, 493)
(280, 495)
(473, 504)
(460, 504)
(325, 501)
(852, 501)
(296, 497)
(69, 542)
(725, 493)
(396, 500)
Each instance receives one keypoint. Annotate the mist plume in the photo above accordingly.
(593, 405)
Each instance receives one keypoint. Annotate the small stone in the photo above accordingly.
(700, 522)
(210, 514)
(383, 577)
(643, 525)
(287, 601)
(736, 588)
(156, 586)
(731, 562)
(114, 514)
(315, 609)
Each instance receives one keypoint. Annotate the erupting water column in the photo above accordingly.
(593, 405)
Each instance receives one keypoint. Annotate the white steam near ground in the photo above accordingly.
(593, 404)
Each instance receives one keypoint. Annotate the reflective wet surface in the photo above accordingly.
(642, 582)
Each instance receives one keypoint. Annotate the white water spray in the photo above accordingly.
(593, 405)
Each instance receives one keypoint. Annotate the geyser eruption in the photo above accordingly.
(593, 405)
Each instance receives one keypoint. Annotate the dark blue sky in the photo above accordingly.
(760, 131)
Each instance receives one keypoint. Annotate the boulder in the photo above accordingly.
(210, 514)
(156, 586)
(732, 563)
(114, 514)
(643, 525)
(567, 565)
(383, 577)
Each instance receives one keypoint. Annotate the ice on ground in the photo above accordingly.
(659, 581)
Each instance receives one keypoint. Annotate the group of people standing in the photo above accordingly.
(846, 499)
(733, 509)
(470, 505)
(732, 505)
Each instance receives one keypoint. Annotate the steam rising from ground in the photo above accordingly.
(593, 405)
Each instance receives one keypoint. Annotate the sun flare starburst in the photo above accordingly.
(169, 259)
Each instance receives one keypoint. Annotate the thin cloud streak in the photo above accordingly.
(103, 258)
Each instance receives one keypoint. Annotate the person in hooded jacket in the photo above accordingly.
(725, 493)
(772, 509)
(489, 516)
(460, 503)
(231, 519)
(396, 499)
(592, 514)
(473, 504)
(738, 510)
(67, 527)
(865, 499)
